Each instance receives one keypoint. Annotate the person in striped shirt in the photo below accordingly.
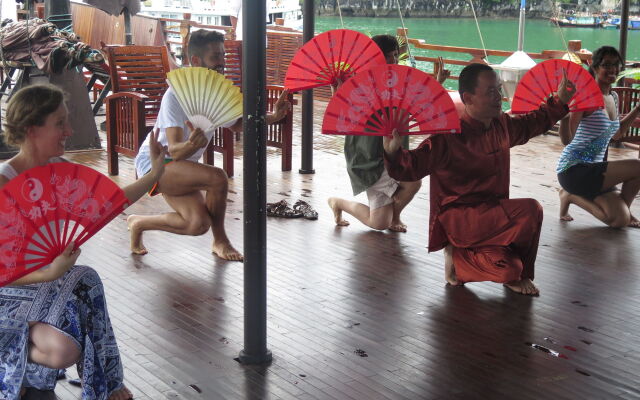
(587, 179)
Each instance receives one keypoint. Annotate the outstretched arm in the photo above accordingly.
(409, 165)
(280, 110)
(141, 186)
(523, 127)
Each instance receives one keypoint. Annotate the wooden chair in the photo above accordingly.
(138, 79)
(233, 61)
(628, 99)
(279, 135)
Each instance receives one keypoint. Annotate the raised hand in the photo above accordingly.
(392, 143)
(335, 86)
(441, 73)
(281, 107)
(566, 89)
(197, 137)
(158, 154)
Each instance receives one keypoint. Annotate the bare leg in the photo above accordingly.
(337, 211)
(449, 268)
(566, 199)
(565, 202)
(626, 172)
(216, 200)
(401, 198)
(523, 286)
(181, 185)
(135, 233)
(379, 218)
(51, 348)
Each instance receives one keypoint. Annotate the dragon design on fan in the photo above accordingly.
(12, 230)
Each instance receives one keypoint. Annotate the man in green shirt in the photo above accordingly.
(387, 197)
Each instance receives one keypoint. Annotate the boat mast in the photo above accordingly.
(523, 5)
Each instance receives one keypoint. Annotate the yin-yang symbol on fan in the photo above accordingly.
(32, 189)
(391, 78)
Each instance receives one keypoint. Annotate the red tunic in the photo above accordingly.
(470, 174)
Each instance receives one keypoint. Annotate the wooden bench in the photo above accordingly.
(628, 99)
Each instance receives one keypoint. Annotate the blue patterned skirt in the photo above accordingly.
(74, 304)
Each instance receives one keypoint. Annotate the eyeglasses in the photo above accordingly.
(608, 65)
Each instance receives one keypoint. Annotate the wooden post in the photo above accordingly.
(185, 29)
(574, 46)
(624, 30)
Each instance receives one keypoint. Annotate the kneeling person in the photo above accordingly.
(486, 235)
(185, 178)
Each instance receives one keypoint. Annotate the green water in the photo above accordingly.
(498, 34)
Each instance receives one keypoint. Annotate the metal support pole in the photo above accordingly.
(255, 184)
(523, 7)
(60, 10)
(624, 28)
(308, 32)
(128, 35)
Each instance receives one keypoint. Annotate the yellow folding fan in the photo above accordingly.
(208, 98)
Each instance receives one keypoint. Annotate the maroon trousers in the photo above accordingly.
(509, 255)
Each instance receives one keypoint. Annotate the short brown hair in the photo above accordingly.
(28, 107)
(199, 41)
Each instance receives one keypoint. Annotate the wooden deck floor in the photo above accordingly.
(359, 314)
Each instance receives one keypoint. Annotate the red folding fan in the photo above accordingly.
(45, 208)
(388, 97)
(540, 81)
(332, 55)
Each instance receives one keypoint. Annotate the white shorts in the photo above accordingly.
(381, 193)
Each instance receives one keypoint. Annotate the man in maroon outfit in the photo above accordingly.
(486, 235)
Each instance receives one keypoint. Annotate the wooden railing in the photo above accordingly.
(477, 55)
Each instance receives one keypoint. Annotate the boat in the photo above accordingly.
(579, 21)
(221, 12)
(634, 22)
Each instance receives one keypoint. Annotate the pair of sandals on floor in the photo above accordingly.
(301, 209)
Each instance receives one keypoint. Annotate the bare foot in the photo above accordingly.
(634, 223)
(337, 213)
(449, 269)
(121, 394)
(398, 226)
(23, 391)
(523, 286)
(565, 202)
(136, 236)
(226, 251)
